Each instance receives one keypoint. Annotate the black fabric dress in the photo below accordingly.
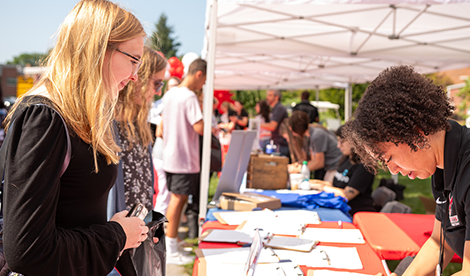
(357, 177)
(56, 225)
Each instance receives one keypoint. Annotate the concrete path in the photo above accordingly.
(175, 270)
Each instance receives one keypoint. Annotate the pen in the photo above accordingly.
(340, 224)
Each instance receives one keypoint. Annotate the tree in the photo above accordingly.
(162, 39)
(34, 59)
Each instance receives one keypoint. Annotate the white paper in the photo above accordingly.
(237, 255)
(236, 218)
(337, 273)
(334, 235)
(298, 216)
(275, 269)
(291, 243)
(232, 236)
(274, 226)
(283, 222)
(339, 257)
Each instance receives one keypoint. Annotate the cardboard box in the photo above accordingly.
(267, 172)
(247, 201)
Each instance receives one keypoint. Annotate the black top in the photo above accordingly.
(306, 107)
(240, 116)
(278, 114)
(56, 225)
(357, 177)
(450, 187)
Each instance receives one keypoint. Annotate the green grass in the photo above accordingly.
(414, 188)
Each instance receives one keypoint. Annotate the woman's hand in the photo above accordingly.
(134, 227)
(294, 168)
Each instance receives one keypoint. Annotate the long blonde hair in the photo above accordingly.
(133, 117)
(75, 80)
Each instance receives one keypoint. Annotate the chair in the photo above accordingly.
(333, 124)
(382, 195)
(396, 207)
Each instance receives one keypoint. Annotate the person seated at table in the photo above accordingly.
(262, 116)
(403, 123)
(351, 181)
(229, 110)
(324, 155)
(240, 117)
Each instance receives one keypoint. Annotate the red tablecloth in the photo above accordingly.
(371, 262)
(395, 236)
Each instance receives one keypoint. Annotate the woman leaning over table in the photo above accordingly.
(56, 224)
(351, 181)
(402, 122)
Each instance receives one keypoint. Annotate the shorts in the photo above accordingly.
(182, 184)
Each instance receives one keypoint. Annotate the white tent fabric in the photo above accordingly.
(291, 44)
(294, 44)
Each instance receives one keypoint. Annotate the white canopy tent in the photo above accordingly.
(294, 44)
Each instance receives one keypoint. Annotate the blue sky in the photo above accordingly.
(28, 26)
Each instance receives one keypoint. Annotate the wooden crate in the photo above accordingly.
(267, 172)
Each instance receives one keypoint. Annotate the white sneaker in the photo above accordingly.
(178, 258)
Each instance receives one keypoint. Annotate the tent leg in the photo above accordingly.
(348, 102)
(207, 112)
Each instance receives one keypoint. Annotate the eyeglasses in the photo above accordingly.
(135, 64)
(157, 84)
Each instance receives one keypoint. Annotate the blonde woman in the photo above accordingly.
(55, 224)
(137, 178)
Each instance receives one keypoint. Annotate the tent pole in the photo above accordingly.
(207, 115)
(317, 94)
(348, 102)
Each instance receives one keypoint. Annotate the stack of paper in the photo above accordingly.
(324, 256)
(353, 236)
(333, 273)
(245, 237)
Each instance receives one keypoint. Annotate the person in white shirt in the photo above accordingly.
(181, 126)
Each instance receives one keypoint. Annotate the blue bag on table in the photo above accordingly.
(311, 201)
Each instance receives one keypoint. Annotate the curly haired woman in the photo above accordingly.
(402, 122)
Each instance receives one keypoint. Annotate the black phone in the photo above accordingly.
(138, 210)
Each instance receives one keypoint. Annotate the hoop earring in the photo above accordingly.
(421, 147)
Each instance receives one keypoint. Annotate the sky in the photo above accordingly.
(28, 26)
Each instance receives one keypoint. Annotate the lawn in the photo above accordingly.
(414, 188)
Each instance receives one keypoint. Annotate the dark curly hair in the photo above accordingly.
(399, 106)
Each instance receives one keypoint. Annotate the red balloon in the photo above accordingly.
(174, 61)
(180, 70)
(172, 71)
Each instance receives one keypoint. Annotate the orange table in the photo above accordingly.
(371, 262)
(396, 236)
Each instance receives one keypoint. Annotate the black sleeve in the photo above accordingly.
(244, 113)
(361, 179)
(33, 244)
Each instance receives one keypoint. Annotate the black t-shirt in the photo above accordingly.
(278, 114)
(243, 114)
(306, 107)
(56, 225)
(450, 187)
(357, 177)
